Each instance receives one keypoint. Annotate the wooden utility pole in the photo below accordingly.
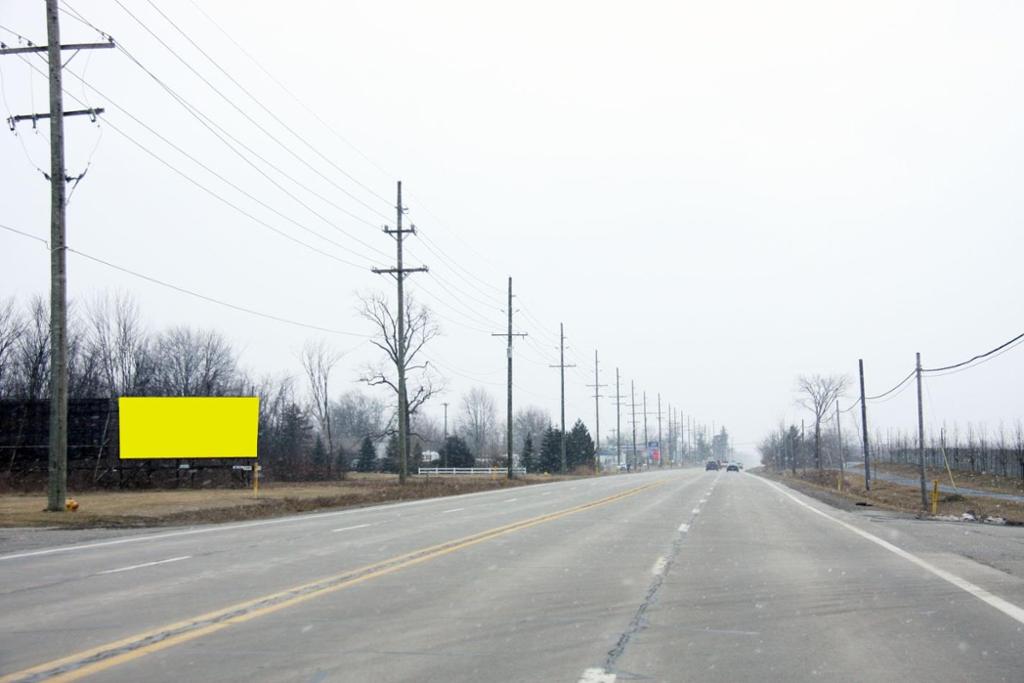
(508, 353)
(562, 366)
(618, 421)
(597, 410)
(57, 484)
(920, 436)
(399, 272)
(445, 420)
(661, 451)
(864, 427)
(632, 406)
(839, 437)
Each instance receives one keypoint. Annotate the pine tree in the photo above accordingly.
(391, 455)
(318, 456)
(456, 453)
(526, 458)
(551, 451)
(579, 447)
(367, 461)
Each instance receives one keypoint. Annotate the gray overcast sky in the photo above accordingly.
(716, 195)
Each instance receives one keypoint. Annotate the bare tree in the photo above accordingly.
(121, 346)
(12, 326)
(529, 421)
(405, 358)
(479, 420)
(817, 394)
(32, 353)
(195, 363)
(318, 360)
(356, 415)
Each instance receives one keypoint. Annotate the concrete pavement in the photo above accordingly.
(671, 576)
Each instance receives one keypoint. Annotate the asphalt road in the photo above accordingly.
(662, 576)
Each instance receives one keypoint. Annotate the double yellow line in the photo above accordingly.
(103, 657)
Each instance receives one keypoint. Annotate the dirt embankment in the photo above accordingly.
(195, 506)
(825, 485)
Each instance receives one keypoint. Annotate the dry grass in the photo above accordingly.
(892, 496)
(974, 480)
(194, 506)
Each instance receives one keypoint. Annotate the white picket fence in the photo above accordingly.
(470, 470)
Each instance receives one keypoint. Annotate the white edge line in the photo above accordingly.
(145, 564)
(1005, 606)
(263, 522)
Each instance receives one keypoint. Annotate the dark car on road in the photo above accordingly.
(732, 467)
(712, 465)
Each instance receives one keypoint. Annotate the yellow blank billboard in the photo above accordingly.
(180, 427)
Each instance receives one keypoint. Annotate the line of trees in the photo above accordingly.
(305, 432)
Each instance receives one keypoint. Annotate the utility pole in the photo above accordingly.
(399, 272)
(618, 421)
(508, 353)
(57, 466)
(647, 443)
(864, 428)
(632, 406)
(445, 420)
(920, 436)
(661, 451)
(671, 436)
(597, 409)
(562, 366)
(839, 437)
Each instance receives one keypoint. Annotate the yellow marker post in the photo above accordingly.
(935, 497)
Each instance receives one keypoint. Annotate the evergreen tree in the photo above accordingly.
(367, 461)
(391, 455)
(551, 451)
(526, 458)
(416, 461)
(579, 447)
(341, 461)
(455, 453)
(318, 455)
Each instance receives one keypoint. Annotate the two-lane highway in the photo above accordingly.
(676, 575)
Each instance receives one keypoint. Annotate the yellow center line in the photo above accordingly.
(100, 658)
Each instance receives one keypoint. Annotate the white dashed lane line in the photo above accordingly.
(350, 528)
(145, 564)
(684, 527)
(445, 512)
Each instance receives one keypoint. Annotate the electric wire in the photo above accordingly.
(980, 356)
(215, 195)
(220, 133)
(193, 293)
(234, 105)
(266, 109)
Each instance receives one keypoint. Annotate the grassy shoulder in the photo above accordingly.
(114, 509)
(983, 481)
(825, 485)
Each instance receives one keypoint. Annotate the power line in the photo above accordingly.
(221, 133)
(270, 112)
(1002, 346)
(217, 196)
(183, 290)
(233, 105)
(886, 393)
(298, 101)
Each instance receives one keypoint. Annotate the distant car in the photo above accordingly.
(712, 465)
(733, 467)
